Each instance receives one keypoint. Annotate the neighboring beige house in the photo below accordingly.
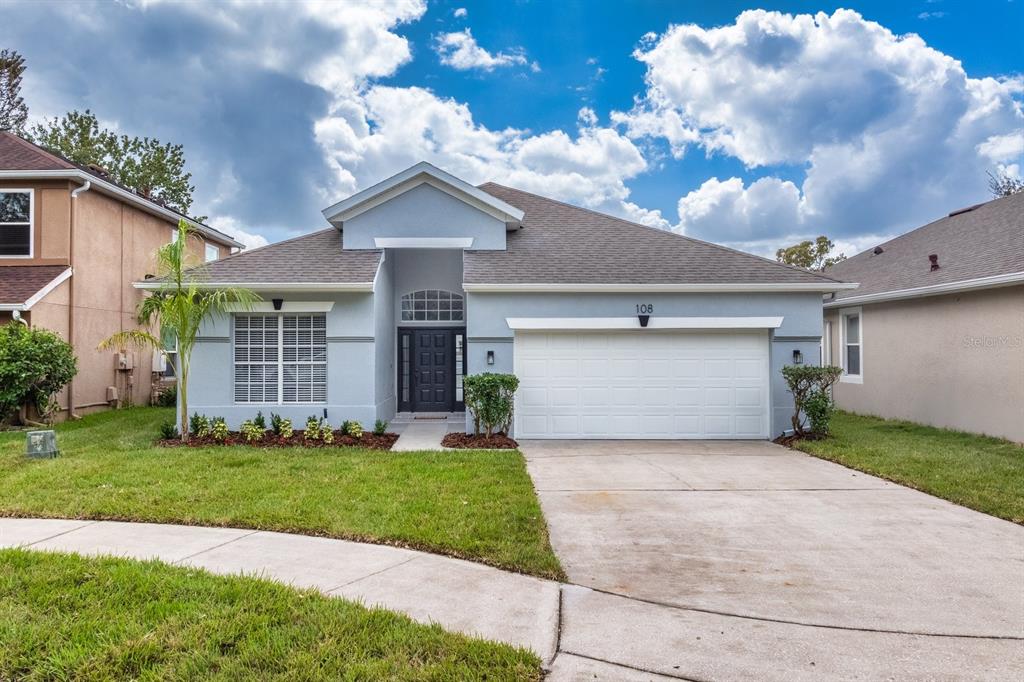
(71, 244)
(935, 332)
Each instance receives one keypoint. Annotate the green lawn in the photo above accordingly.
(478, 505)
(68, 617)
(986, 474)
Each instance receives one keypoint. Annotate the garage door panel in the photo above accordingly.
(642, 385)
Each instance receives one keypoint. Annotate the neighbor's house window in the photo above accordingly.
(431, 305)
(280, 358)
(853, 345)
(16, 223)
(212, 252)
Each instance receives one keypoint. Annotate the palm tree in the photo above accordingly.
(179, 306)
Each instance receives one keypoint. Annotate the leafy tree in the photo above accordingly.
(13, 111)
(151, 168)
(489, 397)
(811, 386)
(179, 305)
(34, 365)
(1003, 185)
(810, 255)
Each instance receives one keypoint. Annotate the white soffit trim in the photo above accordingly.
(992, 282)
(412, 177)
(423, 242)
(286, 307)
(270, 286)
(659, 288)
(611, 323)
(39, 295)
(131, 197)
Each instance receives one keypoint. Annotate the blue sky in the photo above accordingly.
(752, 125)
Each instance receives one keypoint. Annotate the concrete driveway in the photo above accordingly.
(733, 559)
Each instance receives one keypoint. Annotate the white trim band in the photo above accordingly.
(824, 287)
(992, 282)
(286, 307)
(611, 323)
(39, 295)
(423, 242)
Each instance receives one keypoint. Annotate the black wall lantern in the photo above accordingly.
(490, 357)
(798, 357)
(644, 319)
(278, 302)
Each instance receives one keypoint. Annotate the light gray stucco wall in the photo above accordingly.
(351, 358)
(801, 326)
(384, 339)
(424, 211)
(417, 269)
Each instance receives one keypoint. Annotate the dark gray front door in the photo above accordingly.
(433, 370)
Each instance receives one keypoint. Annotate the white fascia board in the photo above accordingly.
(612, 323)
(286, 307)
(1008, 279)
(412, 177)
(270, 286)
(659, 288)
(39, 295)
(423, 242)
(130, 197)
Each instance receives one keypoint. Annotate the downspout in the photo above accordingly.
(71, 288)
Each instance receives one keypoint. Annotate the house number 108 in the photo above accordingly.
(644, 308)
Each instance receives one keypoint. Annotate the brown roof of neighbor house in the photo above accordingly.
(313, 258)
(982, 241)
(564, 244)
(18, 154)
(19, 283)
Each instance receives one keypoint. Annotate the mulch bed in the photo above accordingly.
(789, 440)
(497, 441)
(369, 440)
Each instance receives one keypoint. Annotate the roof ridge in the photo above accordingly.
(659, 230)
(39, 149)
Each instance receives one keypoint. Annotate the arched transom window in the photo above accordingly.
(431, 305)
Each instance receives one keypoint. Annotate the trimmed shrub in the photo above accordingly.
(819, 408)
(199, 425)
(251, 431)
(34, 365)
(276, 423)
(169, 431)
(259, 421)
(490, 398)
(380, 427)
(285, 429)
(805, 381)
(313, 426)
(327, 434)
(219, 429)
(353, 429)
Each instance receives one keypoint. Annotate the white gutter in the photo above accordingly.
(657, 288)
(991, 282)
(39, 295)
(110, 188)
(611, 323)
(83, 188)
(151, 285)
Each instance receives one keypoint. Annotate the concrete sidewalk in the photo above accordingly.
(580, 633)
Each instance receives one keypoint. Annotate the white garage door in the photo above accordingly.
(646, 384)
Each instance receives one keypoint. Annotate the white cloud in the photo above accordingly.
(460, 12)
(886, 131)
(231, 227)
(460, 51)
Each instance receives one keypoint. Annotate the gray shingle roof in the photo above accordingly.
(564, 244)
(312, 258)
(18, 283)
(985, 241)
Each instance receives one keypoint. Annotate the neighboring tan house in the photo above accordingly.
(935, 332)
(71, 244)
(616, 330)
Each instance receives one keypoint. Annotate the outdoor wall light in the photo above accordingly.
(278, 302)
(798, 357)
(490, 357)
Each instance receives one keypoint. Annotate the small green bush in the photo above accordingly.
(199, 425)
(490, 399)
(313, 427)
(354, 429)
(380, 427)
(167, 397)
(327, 434)
(219, 429)
(805, 381)
(251, 431)
(285, 429)
(169, 431)
(259, 421)
(819, 408)
(34, 364)
(276, 422)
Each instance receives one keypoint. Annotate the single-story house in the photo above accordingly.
(616, 330)
(935, 333)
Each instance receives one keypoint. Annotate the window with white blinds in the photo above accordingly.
(280, 358)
